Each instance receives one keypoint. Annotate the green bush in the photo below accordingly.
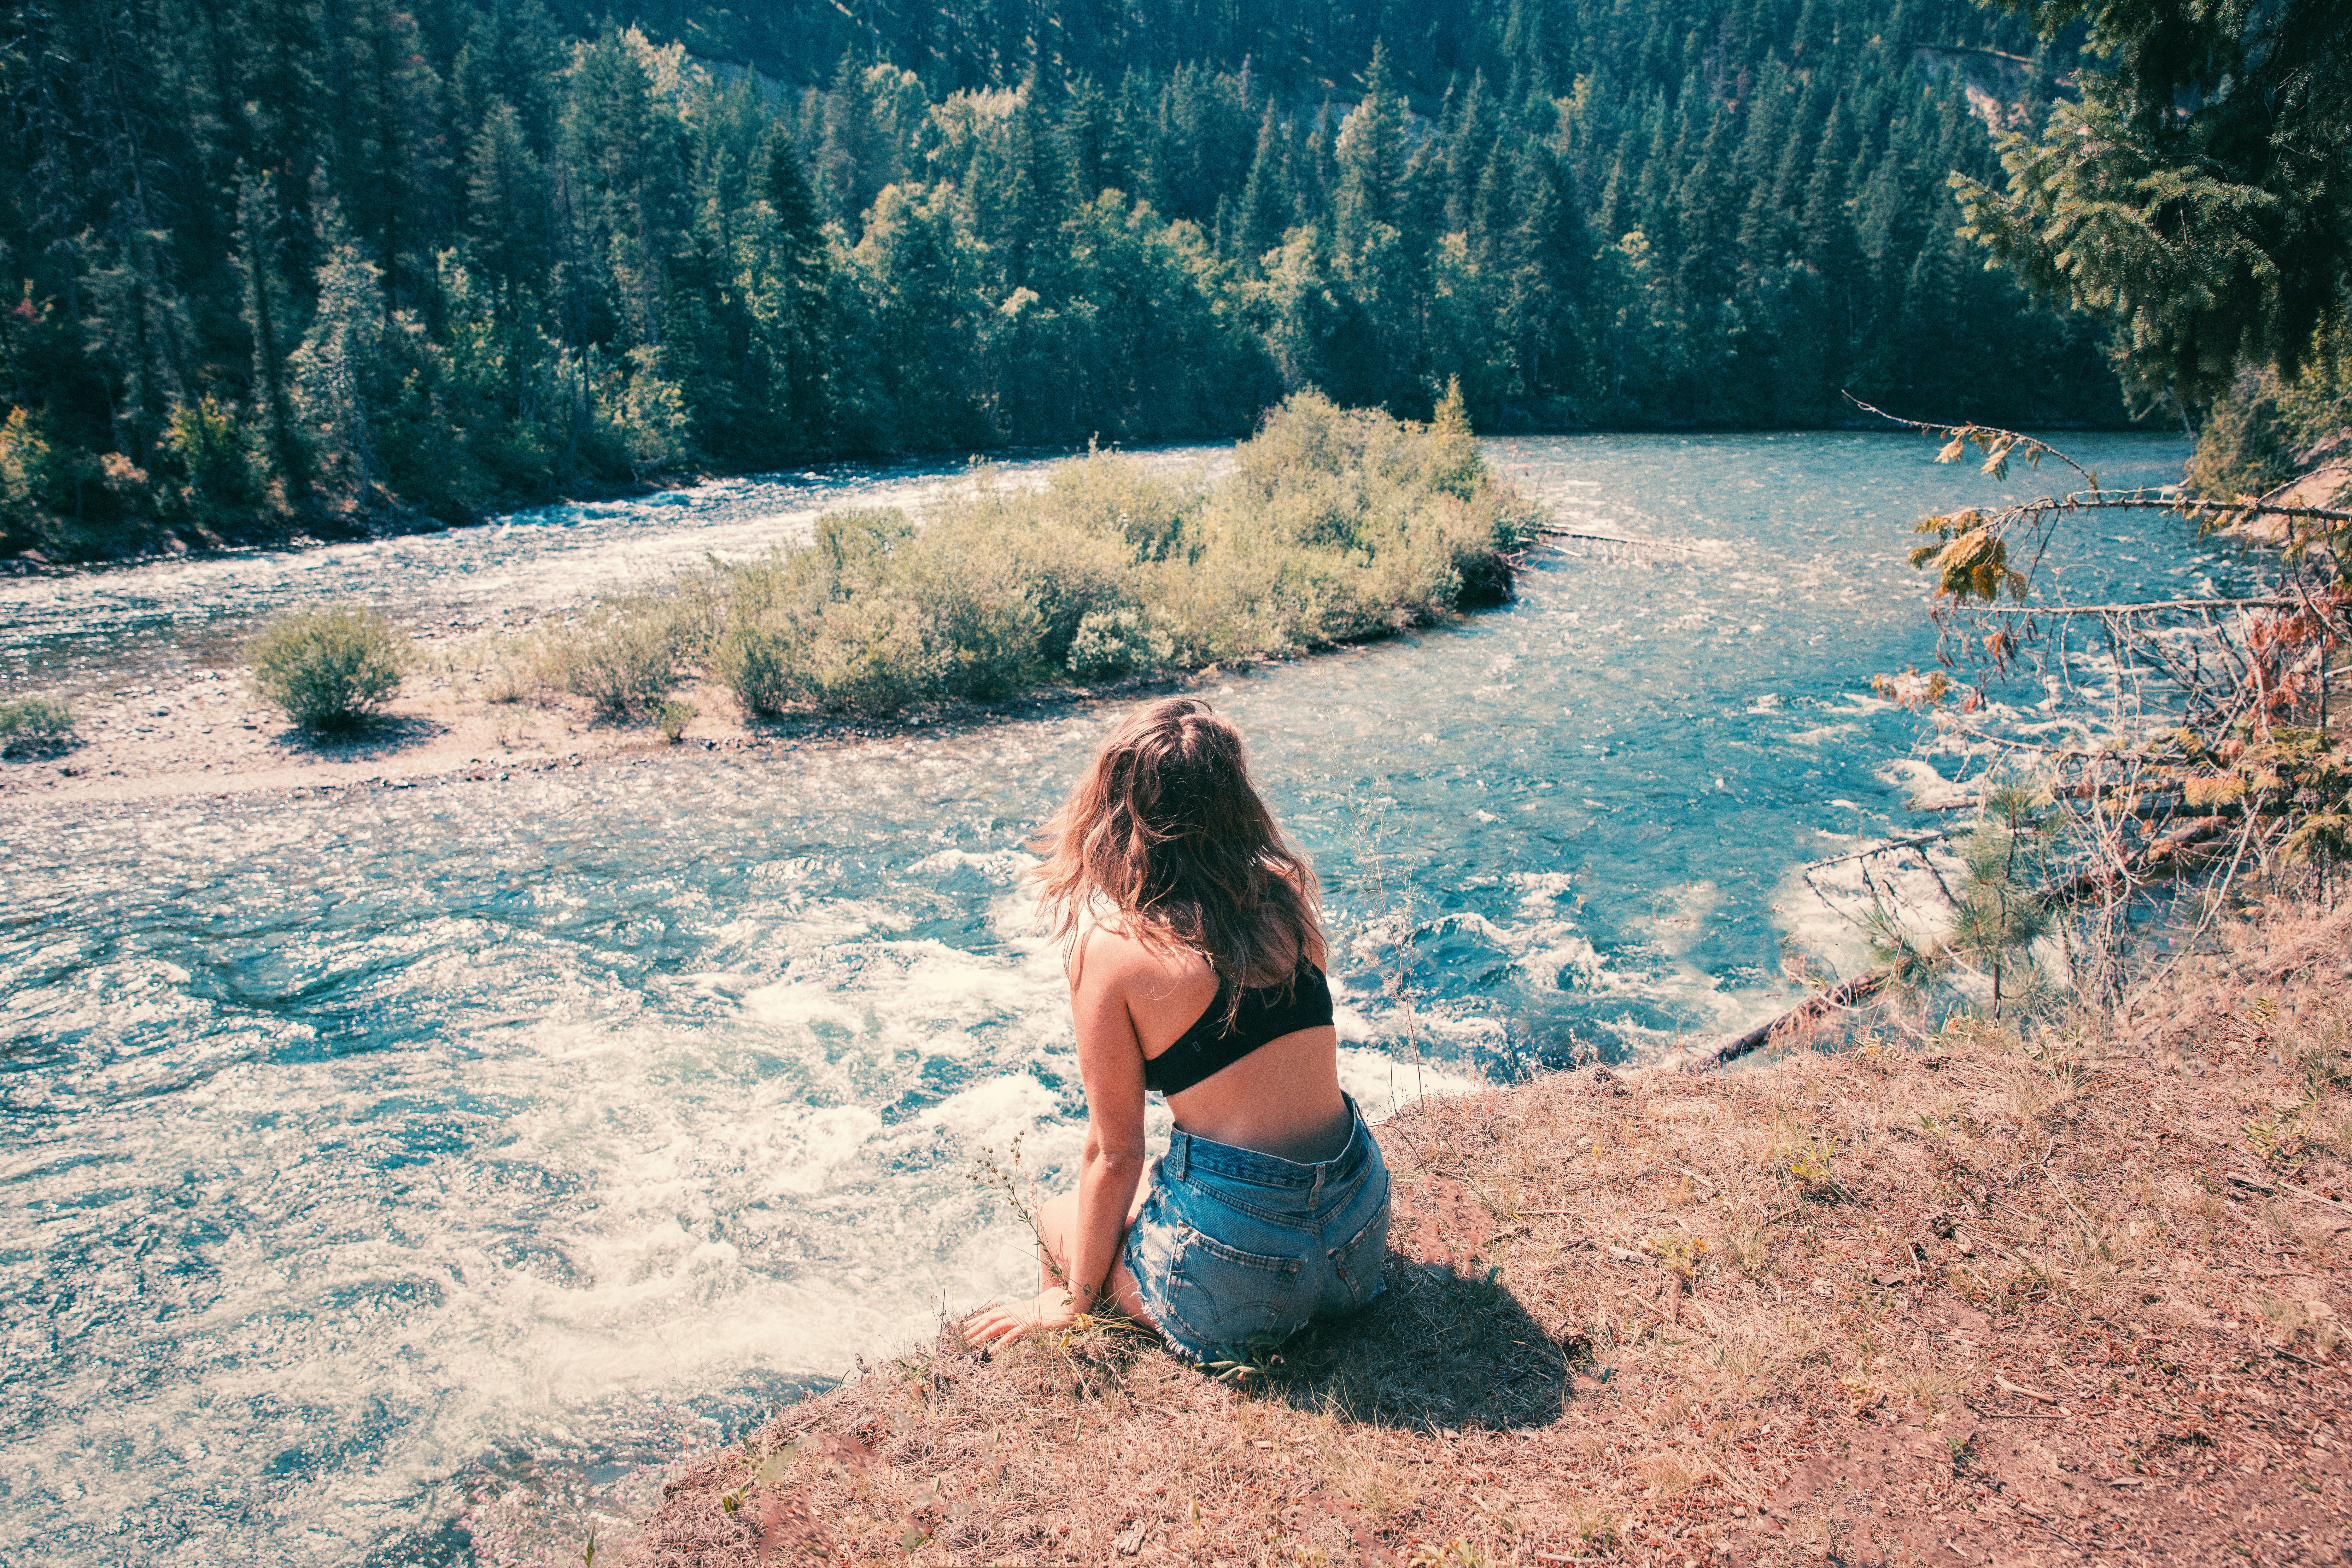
(33, 726)
(1337, 525)
(329, 668)
(2266, 430)
(1116, 642)
(625, 659)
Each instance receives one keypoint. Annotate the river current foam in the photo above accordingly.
(389, 1176)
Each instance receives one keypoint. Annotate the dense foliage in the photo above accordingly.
(2269, 429)
(1336, 525)
(2199, 193)
(311, 263)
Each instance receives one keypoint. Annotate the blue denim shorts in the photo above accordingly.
(1233, 1249)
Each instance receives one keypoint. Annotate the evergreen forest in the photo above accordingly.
(320, 266)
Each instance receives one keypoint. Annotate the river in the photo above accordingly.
(392, 1177)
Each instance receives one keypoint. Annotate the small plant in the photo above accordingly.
(1486, 1291)
(2318, 1067)
(673, 717)
(1811, 1168)
(1252, 1362)
(35, 726)
(763, 1471)
(329, 668)
(1596, 1528)
(2276, 1138)
(1017, 1189)
(1683, 1256)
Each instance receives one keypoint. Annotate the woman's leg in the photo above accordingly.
(1056, 1222)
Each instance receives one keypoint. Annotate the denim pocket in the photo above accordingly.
(1220, 1295)
(1356, 1263)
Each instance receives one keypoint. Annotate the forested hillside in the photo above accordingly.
(314, 263)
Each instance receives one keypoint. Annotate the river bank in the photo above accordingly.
(1994, 1302)
(205, 734)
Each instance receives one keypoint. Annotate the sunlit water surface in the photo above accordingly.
(389, 1177)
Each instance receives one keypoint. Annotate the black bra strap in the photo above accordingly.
(1267, 1014)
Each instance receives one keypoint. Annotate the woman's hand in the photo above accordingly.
(1052, 1309)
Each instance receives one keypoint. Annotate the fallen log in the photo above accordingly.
(2164, 854)
(1844, 993)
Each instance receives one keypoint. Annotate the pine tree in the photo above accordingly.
(1268, 205)
(1371, 154)
(506, 203)
(1085, 137)
(266, 315)
(849, 156)
(337, 370)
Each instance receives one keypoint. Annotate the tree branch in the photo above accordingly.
(2164, 854)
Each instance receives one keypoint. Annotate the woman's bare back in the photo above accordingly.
(1283, 1099)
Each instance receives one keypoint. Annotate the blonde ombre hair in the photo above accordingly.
(1166, 832)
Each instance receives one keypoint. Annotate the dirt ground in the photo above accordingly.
(1994, 1300)
(461, 716)
(209, 735)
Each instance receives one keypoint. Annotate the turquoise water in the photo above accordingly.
(387, 1177)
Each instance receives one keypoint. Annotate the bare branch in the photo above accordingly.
(2165, 855)
(2031, 448)
(2147, 607)
(1891, 846)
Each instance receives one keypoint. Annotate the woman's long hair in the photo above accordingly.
(1167, 830)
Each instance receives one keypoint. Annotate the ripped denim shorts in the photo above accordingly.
(1233, 1251)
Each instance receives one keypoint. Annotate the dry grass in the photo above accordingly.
(2005, 1301)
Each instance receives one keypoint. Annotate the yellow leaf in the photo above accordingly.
(2213, 789)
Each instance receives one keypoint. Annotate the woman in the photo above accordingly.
(1196, 969)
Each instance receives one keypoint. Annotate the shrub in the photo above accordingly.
(1340, 524)
(329, 668)
(673, 717)
(33, 726)
(1115, 642)
(629, 651)
(623, 660)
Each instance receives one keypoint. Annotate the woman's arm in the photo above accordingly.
(1110, 1064)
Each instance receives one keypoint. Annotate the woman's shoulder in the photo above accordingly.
(1109, 953)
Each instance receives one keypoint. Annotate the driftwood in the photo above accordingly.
(1844, 993)
(2164, 854)
(1549, 533)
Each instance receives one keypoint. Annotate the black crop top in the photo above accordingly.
(1267, 1014)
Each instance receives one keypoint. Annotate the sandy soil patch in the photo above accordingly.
(209, 735)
